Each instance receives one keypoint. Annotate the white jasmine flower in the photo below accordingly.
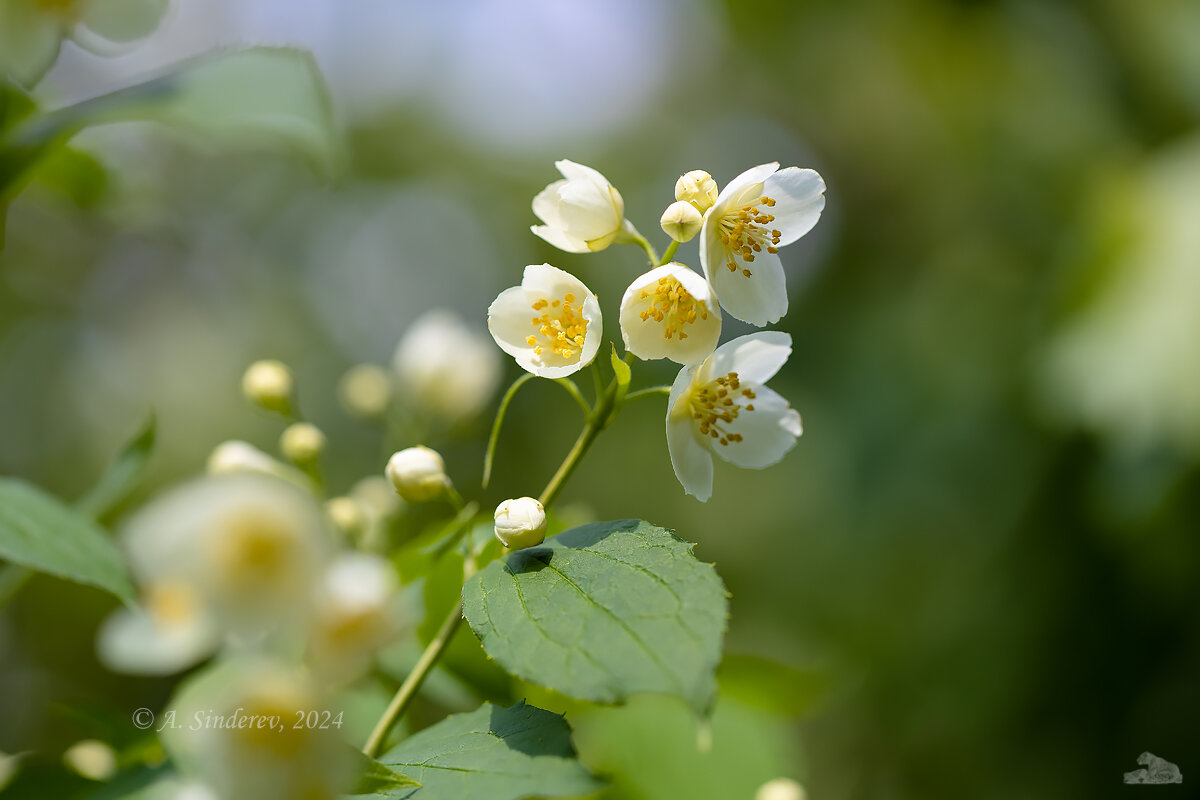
(31, 31)
(520, 523)
(354, 613)
(758, 212)
(238, 456)
(583, 212)
(447, 368)
(418, 473)
(722, 407)
(232, 554)
(365, 390)
(550, 323)
(670, 313)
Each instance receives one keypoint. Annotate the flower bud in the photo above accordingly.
(681, 221)
(302, 443)
(92, 759)
(238, 456)
(780, 789)
(698, 188)
(418, 473)
(268, 384)
(365, 390)
(520, 523)
(347, 514)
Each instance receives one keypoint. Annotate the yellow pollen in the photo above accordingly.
(713, 406)
(563, 329)
(744, 232)
(670, 303)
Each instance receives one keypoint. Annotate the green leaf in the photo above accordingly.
(621, 370)
(123, 474)
(42, 533)
(602, 612)
(494, 753)
(378, 780)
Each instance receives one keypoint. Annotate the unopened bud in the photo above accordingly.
(239, 456)
(520, 523)
(302, 443)
(418, 473)
(681, 221)
(347, 514)
(365, 390)
(698, 188)
(268, 384)
(780, 789)
(92, 759)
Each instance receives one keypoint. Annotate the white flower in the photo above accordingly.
(758, 212)
(268, 384)
(583, 212)
(354, 613)
(520, 523)
(365, 390)
(418, 473)
(780, 789)
(550, 323)
(238, 456)
(231, 554)
(722, 407)
(670, 313)
(32, 30)
(449, 370)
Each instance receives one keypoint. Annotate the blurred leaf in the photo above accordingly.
(602, 612)
(251, 97)
(771, 686)
(377, 780)
(494, 753)
(41, 532)
(123, 474)
(75, 174)
(654, 748)
(137, 783)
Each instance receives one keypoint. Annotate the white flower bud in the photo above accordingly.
(520, 523)
(302, 443)
(347, 514)
(681, 221)
(781, 789)
(268, 384)
(582, 213)
(365, 390)
(92, 759)
(238, 456)
(418, 473)
(698, 188)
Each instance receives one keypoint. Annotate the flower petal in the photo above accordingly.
(29, 41)
(739, 186)
(760, 298)
(545, 204)
(129, 641)
(123, 20)
(560, 239)
(767, 432)
(645, 337)
(510, 320)
(799, 199)
(755, 357)
(690, 458)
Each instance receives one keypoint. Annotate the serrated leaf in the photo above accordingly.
(494, 753)
(602, 612)
(43, 533)
(378, 780)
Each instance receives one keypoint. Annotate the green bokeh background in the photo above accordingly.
(997, 589)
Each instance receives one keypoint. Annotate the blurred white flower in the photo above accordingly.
(238, 456)
(583, 212)
(365, 390)
(233, 554)
(758, 212)
(550, 324)
(670, 313)
(445, 368)
(355, 614)
(520, 523)
(781, 789)
(302, 442)
(269, 384)
(252, 730)
(722, 407)
(31, 31)
(418, 473)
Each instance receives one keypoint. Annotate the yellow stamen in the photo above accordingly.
(672, 304)
(712, 405)
(563, 329)
(743, 232)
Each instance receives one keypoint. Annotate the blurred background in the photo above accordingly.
(981, 561)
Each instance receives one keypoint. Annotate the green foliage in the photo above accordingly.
(602, 612)
(44, 534)
(378, 780)
(123, 474)
(494, 754)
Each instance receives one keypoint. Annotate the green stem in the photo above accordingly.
(668, 253)
(490, 456)
(598, 421)
(412, 683)
(653, 390)
(573, 390)
(651, 253)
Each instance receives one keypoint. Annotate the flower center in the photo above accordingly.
(171, 603)
(254, 548)
(670, 303)
(716, 404)
(562, 327)
(744, 232)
